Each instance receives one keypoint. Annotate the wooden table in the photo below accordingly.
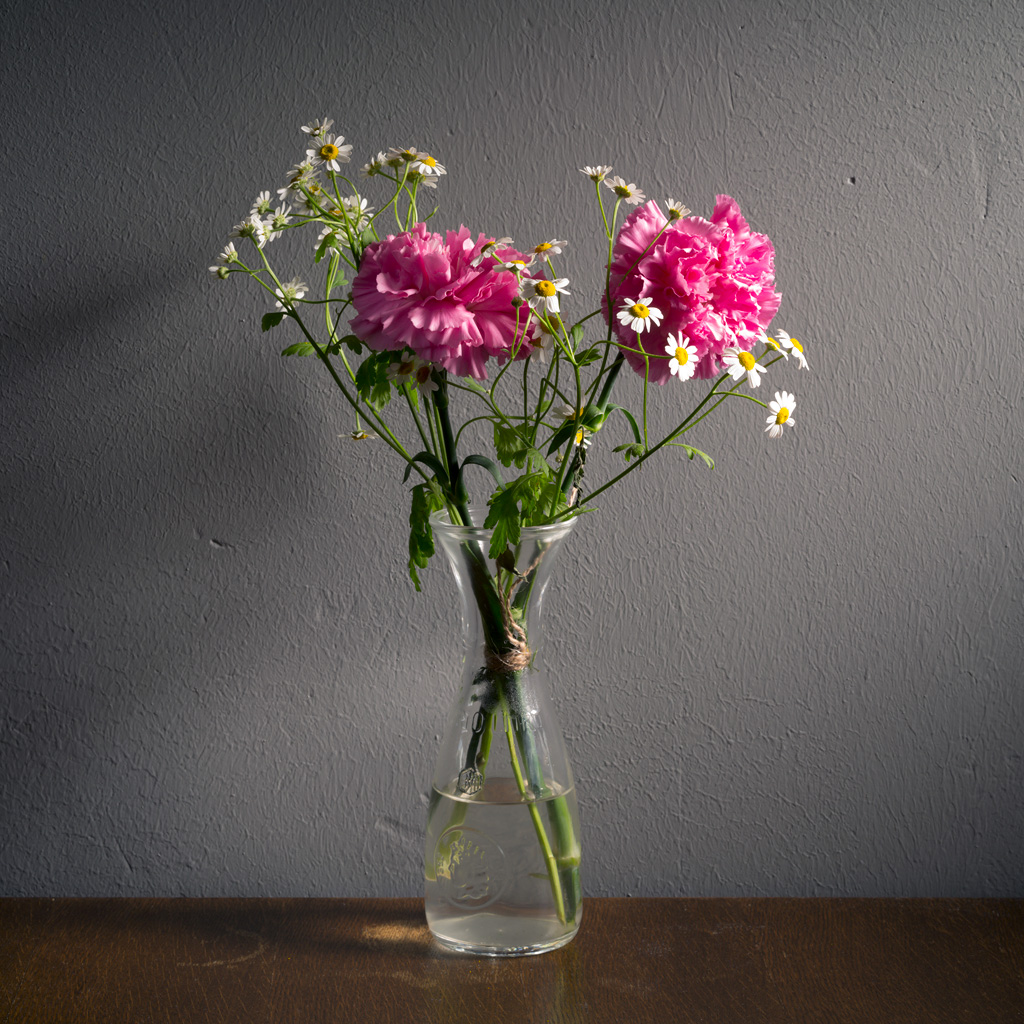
(148, 961)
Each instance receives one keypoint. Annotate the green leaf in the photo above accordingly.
(506, 560)
(372, 380)
(272, 319)
(633, 450)
(576, 336)
(533, 459)
(506, 443)
(551, 497)
(591, 355)
(323, 247)
(425, 500)
(350, 341)
(562, 434)
(710, 462)
(503, 519)
(486, 463)
(632, 421)
(300, 348)
(433, 463)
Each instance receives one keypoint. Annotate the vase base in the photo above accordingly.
(492, 935)
(479, 950)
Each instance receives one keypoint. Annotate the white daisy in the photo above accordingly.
(261, 205)
(229, 255)
(794, 347)
(289, 292)
(330, 152)
(376, 165)
(396, 157)
(596, 173)
(781, 413)
(518, 265)
(629, 192)
(684, 357)
(676, 210)
(358, 211)
(543, 346)
(548, 249)
(639, 316)
(540, 292)
(275, 224)
(302, 175)
(421, 377)
(426, 164)
(317, 128)
(737, 362)
(252, 227)
(359, 434)
(418, 178)
(311, 199)
(489, 248)
(334, 233)
(405, 369)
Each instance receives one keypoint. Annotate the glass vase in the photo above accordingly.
(502, 859)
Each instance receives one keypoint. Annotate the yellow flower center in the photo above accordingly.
(746, 360)
(543, 247)
(329, 151)
(782, 415)
(545, 288)
(579, 436)
(423, 374)
(796, 344)
(640, 310)
(622, 192)
(682, 356)
(428, 160)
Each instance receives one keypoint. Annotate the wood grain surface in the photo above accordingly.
(295, 961)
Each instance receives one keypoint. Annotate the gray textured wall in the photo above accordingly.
(799, 674)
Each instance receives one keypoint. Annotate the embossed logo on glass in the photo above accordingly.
(470, 781)
(470, 868)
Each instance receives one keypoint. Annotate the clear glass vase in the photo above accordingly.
(502, 861)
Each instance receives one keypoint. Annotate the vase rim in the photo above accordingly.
(549, 531)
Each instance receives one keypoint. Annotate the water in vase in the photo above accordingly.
(489, 876)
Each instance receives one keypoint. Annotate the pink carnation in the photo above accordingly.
(711, 280)
(419, 291)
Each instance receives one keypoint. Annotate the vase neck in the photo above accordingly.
(502, 598)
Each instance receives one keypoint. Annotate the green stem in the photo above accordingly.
(458, 490)
(542, 837)
(661, 444)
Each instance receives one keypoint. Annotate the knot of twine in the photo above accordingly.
(513, 660)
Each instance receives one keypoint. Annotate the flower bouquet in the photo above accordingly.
(439, 343)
